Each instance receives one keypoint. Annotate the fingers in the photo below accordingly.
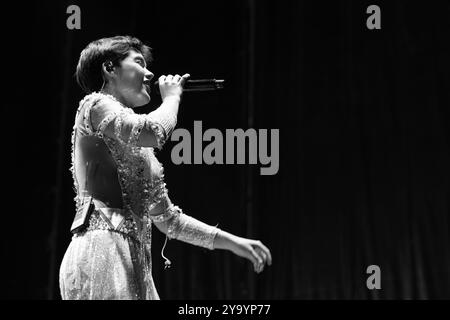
(263, 259)
(266, 252)
(174, 79)
(254, 251)
(264, 255)
(184, 78)
(257, 260)
(168, 79)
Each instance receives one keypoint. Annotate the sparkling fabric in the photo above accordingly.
(102, 264)
(187, 229)
(114, 262)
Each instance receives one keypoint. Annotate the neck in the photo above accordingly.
(115, 93)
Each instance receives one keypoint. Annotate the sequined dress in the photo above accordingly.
(111, 258)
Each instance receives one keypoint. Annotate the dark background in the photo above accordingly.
(364, 143)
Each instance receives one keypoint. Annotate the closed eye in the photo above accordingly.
(141, 62)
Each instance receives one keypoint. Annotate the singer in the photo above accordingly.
(119, 182)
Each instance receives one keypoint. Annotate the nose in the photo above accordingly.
(148, 74)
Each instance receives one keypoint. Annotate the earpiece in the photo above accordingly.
(109, 66)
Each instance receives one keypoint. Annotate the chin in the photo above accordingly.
(142, 100)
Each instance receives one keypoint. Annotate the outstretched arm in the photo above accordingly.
(177, 225)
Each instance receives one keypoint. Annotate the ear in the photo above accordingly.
(107, 71)
(108, 67)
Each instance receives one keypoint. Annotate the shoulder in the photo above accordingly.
(101, 106)
(101, 102)
(94, 108)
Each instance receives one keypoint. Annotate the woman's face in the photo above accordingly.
(132, 83)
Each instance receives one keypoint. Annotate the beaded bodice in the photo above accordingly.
(124, 170)
(139, 173)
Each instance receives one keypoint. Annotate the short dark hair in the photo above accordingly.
(114, 49)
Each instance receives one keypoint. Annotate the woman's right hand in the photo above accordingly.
(172, 86)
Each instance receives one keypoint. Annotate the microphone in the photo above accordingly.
(197, 85)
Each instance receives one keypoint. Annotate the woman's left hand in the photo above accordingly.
(253, 250)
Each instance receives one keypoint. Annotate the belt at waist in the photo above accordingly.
(112, 219)
(114, 216)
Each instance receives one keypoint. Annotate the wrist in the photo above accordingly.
(224, 240)
(172, 99)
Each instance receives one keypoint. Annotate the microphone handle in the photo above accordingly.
(197, 85)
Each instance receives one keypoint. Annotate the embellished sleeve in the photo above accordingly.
(186, 228)
(108, 117)
(164, 119)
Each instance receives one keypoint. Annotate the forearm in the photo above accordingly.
(157, 126)
(171, 104)
(177, 225)
(167, 113)
(224, 240)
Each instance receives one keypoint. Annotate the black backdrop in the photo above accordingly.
(364, 143)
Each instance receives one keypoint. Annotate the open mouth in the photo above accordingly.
(147, 85)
